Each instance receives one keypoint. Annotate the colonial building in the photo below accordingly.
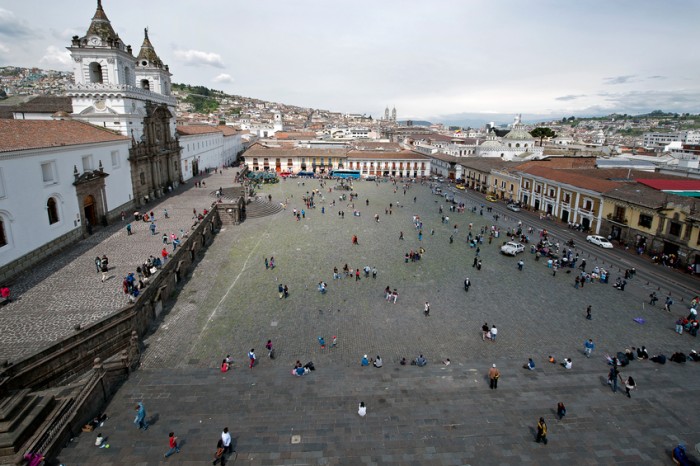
(57, 180)
(567, 195)
(205, 147)
(652, 220)
(131, 95)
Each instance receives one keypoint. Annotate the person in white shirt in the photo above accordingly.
(226, 439)
(494, 332)
(567, 363)
(362, 409)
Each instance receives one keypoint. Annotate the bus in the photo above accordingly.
(343, 173)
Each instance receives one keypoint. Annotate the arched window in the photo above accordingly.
(3, 235)
(95, 73)
(142, 177)
(145, 84)
(52, 209)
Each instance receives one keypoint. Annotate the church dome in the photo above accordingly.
(518, 133)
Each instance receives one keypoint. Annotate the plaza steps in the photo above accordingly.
(20, 415)
(258, 208)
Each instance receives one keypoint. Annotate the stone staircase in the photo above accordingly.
(258, 208)
(21, 413)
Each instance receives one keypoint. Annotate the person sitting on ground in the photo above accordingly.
(694, 356)
(630, 354)
(679, 455)
(567, 363)
(530, 365)
(364, 362)
(378, 362)
(552, 360)
(403, 361)
(678, 357)
(447, 362)
(642, 353)
(658, 358)
(420, 361)
(100, 441)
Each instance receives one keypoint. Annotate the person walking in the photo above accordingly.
(426, 309)
(494, 332)
(153, 228)
(128, 229)
(268, 347)
(541, 431)
(140, 419)
(251, 357)
(104, 267)
(484, 331)
(267, 264)
(613, 376)
(494, 375)
(467, 284)
(588, 347)
(653, 298)
(588, 313)
(561, 410)
(172, 442)
(667, 304)
(629, 386)
(226, 440)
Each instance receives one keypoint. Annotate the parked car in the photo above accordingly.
(449, 197)
(371, 178)
(513, 207)
(512, 248)
(599, 241)
(492, 198)
(460, 186)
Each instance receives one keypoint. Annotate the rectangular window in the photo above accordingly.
(674, 229)
(87, 163)
(645, 220)
(48, 172)
(115, 159)
(2, 185)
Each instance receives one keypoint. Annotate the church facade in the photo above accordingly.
(130, 95)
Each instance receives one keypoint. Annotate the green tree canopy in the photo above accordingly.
(543, 132)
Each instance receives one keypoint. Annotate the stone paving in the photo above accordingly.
(66, 290)
(439, 415)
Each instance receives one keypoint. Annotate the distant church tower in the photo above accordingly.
(386, 113)
(130, 95)
(393, 114)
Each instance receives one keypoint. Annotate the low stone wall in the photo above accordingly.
(75, 354)
(232, 213)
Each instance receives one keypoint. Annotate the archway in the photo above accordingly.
(89, 209)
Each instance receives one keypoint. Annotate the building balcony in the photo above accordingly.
(617, 219)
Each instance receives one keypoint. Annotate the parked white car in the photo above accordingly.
(511, 248)
(599, 241)
(513, 207)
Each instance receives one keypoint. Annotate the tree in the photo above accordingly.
(543, 132)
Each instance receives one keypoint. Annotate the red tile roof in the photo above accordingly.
(191, 130)
(672, 185)
(571, 178)
(39, 134)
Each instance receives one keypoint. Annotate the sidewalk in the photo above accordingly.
(65, 291)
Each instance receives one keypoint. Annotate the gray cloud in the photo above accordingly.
(619, 79)
(13, 27)
(657, 77)
(570, 97)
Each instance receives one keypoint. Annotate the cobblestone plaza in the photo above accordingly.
(433, 415)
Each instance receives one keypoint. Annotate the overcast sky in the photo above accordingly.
(436, 60)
